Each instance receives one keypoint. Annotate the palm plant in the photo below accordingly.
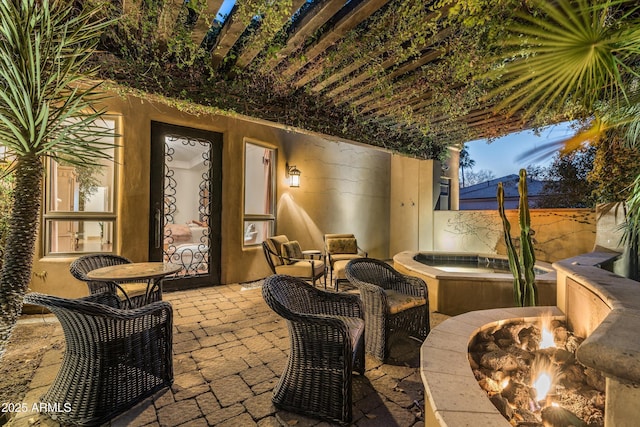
(578, 57)
(465, 161)
(571, 53)
(45, 112)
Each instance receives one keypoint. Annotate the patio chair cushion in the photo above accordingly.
(292, 251)
(345, 245)
(342, 259)
(338, 268)
(398, 302)
(301, 269)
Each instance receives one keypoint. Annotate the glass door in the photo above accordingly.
(186, 185)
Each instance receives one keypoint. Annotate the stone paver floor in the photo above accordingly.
(229, 350)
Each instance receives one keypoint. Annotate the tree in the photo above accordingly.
(566, 181)
(465, 161)
(46, 110)
(615, 166)
(473, 178)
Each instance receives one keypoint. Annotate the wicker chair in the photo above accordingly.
(291, 263)
(392, 302)
(81, 266)
(114, 358)
(326, 337)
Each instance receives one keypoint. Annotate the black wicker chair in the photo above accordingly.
(392, 302)
(326, 336)
(114, 358)
(81, 266)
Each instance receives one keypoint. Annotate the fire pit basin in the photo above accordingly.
(597, 304)
(452, 394)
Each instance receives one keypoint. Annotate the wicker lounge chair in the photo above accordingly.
(114, 358)
(326, 336)
(340, 249)
(284, 256)
(133, 292)
(392, 302)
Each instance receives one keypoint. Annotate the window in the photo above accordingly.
(79, 214)
(259, 191)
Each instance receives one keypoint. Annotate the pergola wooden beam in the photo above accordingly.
(357, 14)
(311, 21)
(430, 54)
(365, 92)
(249, 53)
(232, 29)
(205, 20)
(339, 74)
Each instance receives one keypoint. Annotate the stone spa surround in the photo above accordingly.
(597, 304)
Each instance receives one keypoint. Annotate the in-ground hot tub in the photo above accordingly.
(462, 282)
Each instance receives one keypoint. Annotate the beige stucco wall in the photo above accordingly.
(558, 233)
(415, 187)
(345, 188)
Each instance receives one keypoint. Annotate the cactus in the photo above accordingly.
(525, 291)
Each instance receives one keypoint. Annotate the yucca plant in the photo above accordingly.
(46, 110)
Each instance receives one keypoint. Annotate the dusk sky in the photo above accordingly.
(502, 155)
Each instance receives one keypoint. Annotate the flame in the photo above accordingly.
(542, 385)
(544, 375)
(504, 383)
(547, 340)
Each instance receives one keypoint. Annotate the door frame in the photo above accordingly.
(159, 130)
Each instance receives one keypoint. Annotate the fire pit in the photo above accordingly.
(531, 375)
(596, 304)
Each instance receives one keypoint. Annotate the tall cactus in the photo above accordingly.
(525, 291)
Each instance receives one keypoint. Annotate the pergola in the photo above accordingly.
(369, 70)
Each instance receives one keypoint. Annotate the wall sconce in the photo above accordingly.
(294, 176)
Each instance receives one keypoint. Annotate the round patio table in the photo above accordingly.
(152, 272)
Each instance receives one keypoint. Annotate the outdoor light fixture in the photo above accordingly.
(294, 176)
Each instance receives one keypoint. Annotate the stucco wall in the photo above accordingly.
(559, 233)
(345, 188)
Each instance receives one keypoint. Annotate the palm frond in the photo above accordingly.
(571, 50)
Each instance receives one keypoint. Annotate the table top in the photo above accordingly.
(312, 252)
(135, 270)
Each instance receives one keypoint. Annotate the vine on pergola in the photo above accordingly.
(358, 88)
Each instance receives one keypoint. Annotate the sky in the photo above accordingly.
(502, 155)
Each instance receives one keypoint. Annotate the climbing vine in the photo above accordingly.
(372, 85)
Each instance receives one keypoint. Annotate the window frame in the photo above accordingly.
(249, 217)
(112, 216)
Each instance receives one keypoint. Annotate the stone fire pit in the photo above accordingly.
(595, 303)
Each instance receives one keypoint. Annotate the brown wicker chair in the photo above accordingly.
(133, 292)
(114, 358)
(326, 337)
(291, 264)
(392, 302)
